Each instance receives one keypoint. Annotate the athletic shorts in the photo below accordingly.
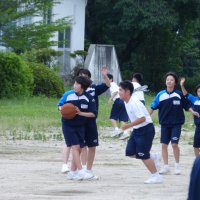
(196, 143)
(140, 142)
(118, 111)
(73, 135)
(91, 133)
(170, 134)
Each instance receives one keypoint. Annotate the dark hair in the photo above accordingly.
(84, 71)
(172, 74)
(138, 77)
(127, 85)
(83, 81)
(194, 192)
(196, 88)
(110, 76)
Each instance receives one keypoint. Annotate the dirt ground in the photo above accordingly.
(31, 170)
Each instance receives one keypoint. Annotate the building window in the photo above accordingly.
(64, 39)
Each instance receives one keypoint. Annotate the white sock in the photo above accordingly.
(116, 128)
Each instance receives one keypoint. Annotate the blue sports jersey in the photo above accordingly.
(170, 106)
(96, 90)
(85, 102)
(195, 106)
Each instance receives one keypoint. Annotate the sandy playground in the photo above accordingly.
(31, 170)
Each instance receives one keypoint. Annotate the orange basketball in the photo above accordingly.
(68, 111)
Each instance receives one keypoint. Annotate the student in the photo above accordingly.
(91, 134)
(137, 81)
(118, 111)
(140, 141)
(194, 185)
(170, 103)
(195, 100)
(74, 129)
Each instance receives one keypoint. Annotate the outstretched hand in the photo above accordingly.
(104, 70)
(182, 81)
(196, 114)
(125, 126)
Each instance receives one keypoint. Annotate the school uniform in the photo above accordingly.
(118, 111)
(170, 114)
(140, 141)
(138, 94)
(196, 107)
(74, 129)
(91, 133)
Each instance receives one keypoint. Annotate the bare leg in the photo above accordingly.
(114, 123)
(90, 158)
(165, 153)
(84, 155)
(196, 151)
(76, 151)
(66, 153)
(176, 151)
(122, 123)
(150, 165)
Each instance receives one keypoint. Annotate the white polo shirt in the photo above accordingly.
(136, 109)
(138, 94)
(114, 88)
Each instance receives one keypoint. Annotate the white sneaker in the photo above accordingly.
(71, 175)
(124, 135)
(88, 175)
(65, 168)
(116, 132)
(156, 157)
(84, 167)
(80, 175)
(154, 179)
(165, 170)
(177, 170)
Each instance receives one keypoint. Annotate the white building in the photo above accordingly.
(76, 35)
(75, 9)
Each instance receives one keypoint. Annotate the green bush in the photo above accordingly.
(46, 81)
(15, 76)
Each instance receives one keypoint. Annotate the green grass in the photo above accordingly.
(38, 117)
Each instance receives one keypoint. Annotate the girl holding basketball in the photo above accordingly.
(74, 129)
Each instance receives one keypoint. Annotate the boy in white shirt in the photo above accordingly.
(140, 141)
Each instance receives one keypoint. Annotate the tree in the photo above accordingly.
(37, 35)
(151, 36)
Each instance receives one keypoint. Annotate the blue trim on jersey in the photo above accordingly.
(64, 97)
(85, 102)
(195, 106)
(170, 106)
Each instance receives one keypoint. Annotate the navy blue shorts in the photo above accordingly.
(91, 133)
(118, 111)
(140, 142)
(170, 134)
(73, 135)
(196, 143)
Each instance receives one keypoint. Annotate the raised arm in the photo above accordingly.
(182, 81)
(104, 72)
